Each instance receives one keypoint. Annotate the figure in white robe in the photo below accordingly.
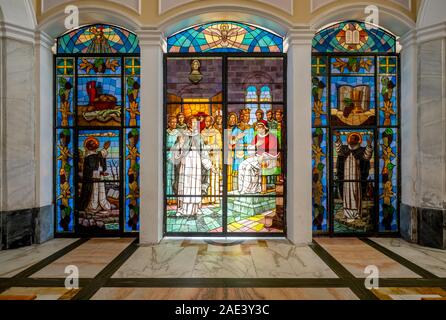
(353, 167)
(191, 155)
(264, 155)
(93, 194)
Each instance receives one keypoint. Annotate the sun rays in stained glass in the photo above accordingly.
(225, 37)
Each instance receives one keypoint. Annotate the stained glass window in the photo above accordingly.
(354, 36)
(225, 153)
(99, 38)
(224, 37)
(355, 115)
(97, 131)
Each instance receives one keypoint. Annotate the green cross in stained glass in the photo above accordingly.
(319, 65)
(66, 66)
(133, 66)
(389, 65)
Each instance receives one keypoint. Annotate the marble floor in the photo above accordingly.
(328, 269)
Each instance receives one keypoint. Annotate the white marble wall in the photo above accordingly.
(18, 143)
(432, 125)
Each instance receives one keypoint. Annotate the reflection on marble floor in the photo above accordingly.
(224, 294)
(430, 259)
(248, 259)
(91, 257)
(355, 256)
(15, 261)
(410, 293)
(39, 293)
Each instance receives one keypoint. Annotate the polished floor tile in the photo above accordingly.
(224, 294)
(355, 256)
(164, 261)
(284, 260)
(15, 261)
(433, 260)
(90, 258)
(410, 293)
(39, 293)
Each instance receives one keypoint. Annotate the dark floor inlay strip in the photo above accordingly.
(356, 286)
(101, 279)
(403, 261)
(50, 259)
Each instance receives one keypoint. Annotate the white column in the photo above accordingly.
(151, 213)
(299, 166)
(409, 117)
(44, 118)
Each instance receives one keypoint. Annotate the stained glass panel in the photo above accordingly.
(353, 155)
(255, 214)
(224, 37)
(99, 38)
(99, 180)
(132, 92)
(354, 36)
(357, 187)
(352, 101)
(320, 180)
(95, 89)
(99, 101)
(99, 66)
(388, 187)
(64, 181)
(199, 195)
(132, 186)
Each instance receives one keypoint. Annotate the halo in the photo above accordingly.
(354, 134)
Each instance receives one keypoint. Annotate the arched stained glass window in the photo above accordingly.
(354, 36)
(100, 38)
(356, 130)
(224, 37)
(97, 87)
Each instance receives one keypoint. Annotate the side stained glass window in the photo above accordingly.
(97, 133)
(355, 117)
(224, 37)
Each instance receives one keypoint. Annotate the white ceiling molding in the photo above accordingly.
(317, 4)
(166, 5)
(404, 3)
(134, 5)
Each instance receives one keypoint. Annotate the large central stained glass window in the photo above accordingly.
(225, 141)
(97, 137)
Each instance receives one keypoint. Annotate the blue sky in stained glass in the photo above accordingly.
(225, 37)
(117, 40)
(377, 39)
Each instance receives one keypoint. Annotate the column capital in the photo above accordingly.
(43, 39)
(300, 36)
(16, 32)
(430, 33)
(150, 37)
(408, 39)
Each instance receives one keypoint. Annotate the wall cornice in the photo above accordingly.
(16, 32)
